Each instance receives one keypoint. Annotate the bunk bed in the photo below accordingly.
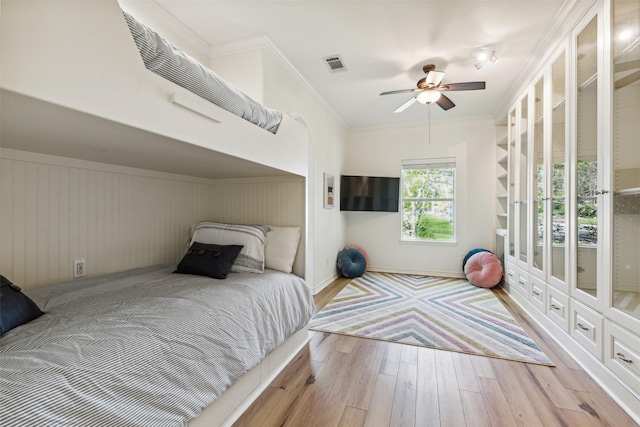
(74, 85)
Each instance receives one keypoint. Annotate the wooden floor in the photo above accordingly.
(347, 381)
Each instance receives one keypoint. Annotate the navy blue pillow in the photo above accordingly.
(351, 263)
(209, 260)
(15, 307)
(470, 254)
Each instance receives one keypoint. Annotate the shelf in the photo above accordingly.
(502, 196)
(502, 215)
(502, 142)
(628, 192)
(588, 84)
(559, 105)
(539, 121)
(504, 175)
(503, 159)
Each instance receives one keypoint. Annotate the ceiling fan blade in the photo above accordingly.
(392, 92)
(434, 78)
(406, 105)
(463, 86)
(445, 103)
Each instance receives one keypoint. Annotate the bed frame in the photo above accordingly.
(76, 62)
(237, 399)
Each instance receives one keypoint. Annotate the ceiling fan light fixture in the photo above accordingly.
(428, 96)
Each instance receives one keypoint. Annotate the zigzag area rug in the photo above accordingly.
(442, 313)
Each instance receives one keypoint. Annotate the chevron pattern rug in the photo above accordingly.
(447, 314)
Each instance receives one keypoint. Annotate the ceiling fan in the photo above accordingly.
(430, 89)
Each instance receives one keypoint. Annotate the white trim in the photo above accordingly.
(317, 287)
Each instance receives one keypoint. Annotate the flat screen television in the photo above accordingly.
(369, 193)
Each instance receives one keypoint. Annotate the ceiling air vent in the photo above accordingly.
(335, 64)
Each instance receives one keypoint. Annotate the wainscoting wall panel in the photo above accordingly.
(276, 201)
(55, 210)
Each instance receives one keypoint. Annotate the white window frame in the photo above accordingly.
(430, 163)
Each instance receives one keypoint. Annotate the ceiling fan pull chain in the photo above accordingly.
(429, 115)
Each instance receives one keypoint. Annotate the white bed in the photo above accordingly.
(143, 347)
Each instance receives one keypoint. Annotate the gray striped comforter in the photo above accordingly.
(144, 347)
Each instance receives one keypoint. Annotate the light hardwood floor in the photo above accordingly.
(349, 382)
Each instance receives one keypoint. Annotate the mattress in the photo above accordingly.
(173, 64)
(143, 347)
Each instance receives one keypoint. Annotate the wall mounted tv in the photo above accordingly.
(369, 193)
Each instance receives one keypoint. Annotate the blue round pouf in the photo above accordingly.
(351, 263)
(471, 253)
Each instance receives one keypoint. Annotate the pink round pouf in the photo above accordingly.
(483, 269)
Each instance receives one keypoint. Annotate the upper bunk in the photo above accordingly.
(73, 84)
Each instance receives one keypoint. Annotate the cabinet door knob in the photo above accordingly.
(623, 358)
(581, 326)
(536, 293)
(555, 307)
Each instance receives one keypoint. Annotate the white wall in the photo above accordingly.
(56, 209)
(379, 152)
(285, 91)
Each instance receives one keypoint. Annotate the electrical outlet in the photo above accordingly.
(79, 268)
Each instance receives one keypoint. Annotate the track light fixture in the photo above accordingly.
(482, 55)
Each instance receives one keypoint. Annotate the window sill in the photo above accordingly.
(429, 242)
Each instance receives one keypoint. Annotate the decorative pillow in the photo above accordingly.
(15, 307)
(470, 254)
(251, 237)
(483, 269)
(351, 263)
(280, 248)
(209, 260)
(364, 254)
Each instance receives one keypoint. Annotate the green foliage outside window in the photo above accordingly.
(428, 204)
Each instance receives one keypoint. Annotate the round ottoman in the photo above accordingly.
(363, 252)
(483, 269)
(351, 263)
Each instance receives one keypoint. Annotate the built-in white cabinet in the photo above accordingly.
(573, 194)
(623, 296)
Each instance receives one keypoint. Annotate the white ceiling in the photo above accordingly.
(384, 45)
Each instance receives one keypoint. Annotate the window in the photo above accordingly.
(428, 199)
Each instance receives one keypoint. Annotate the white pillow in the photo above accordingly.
(251, 237)
(281, 247)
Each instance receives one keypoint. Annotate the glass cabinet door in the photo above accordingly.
(513, 157)
(523, 183)
(538, 203)
(558, 229)
(587, 163)
(625, 38)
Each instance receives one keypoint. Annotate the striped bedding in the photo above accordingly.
(144, 347)
(166, 60)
